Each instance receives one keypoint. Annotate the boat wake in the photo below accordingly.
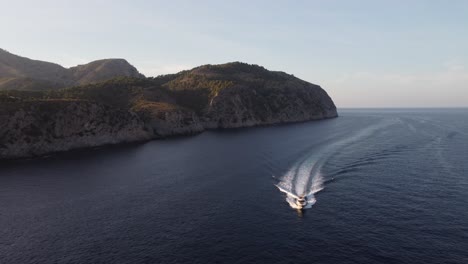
(292, 197)
(306, 178)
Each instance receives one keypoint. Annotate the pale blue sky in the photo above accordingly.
(364, 53)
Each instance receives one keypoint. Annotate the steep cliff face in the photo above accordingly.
(242, 106)
(165, 119)
(39, 127)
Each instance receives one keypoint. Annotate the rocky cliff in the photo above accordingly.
(132, 109)
(256, 96)
(165, 119)
(39, 127)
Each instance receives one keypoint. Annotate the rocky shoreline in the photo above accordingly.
(29, 130)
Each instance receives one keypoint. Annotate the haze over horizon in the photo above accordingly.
(364, 54)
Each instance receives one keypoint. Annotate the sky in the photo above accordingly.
(364, 53)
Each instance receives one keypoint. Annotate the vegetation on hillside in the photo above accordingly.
(193, 89)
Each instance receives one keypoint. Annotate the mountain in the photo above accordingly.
(13, 66)
(27, 84)
(102, 70)
(18, 72)
(239, 95)
(128, 109)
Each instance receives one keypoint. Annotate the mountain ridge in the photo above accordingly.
(43, 75)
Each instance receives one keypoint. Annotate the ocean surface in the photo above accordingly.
(387, 186)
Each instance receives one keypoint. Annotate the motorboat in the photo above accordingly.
(301, 202)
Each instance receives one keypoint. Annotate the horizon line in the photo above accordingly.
(404, 107)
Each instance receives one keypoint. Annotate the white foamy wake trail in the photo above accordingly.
(298, 182)
(305, 177)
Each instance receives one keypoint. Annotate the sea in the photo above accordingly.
(382, 186)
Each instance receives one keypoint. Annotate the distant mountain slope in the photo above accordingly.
(102, 70)
(13, 66)
(27, 84)
(18, 72)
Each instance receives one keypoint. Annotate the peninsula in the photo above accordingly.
(47, 108)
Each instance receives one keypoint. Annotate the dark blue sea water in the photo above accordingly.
(390, 186)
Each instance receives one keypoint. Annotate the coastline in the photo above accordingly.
(32, 156)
